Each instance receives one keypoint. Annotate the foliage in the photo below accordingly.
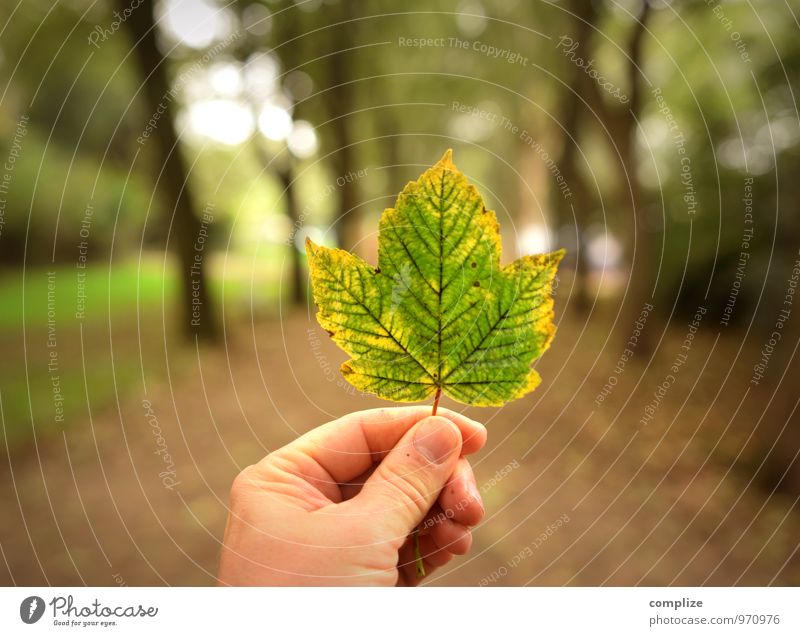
(439, 314)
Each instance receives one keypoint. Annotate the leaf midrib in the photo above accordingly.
(438, 379)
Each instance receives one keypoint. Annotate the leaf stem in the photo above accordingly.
(418, 555)
(436, 400)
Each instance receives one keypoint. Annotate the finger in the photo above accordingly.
(447, 533)
(460, 499)
(341, 450)
(408, 481)
(451, 537)
(435, 515)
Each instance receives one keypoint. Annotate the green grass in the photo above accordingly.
(114, 301)
(119, 286)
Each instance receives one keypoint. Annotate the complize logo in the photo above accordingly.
(66, 612)
(31, 609)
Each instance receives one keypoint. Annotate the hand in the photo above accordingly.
(338, 506)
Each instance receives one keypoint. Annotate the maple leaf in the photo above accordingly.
(439, 314)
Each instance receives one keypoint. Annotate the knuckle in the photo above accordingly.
(407, 487)
(242, 483)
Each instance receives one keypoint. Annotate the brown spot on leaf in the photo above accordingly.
(477, 283)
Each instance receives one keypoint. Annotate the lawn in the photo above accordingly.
(74, 341)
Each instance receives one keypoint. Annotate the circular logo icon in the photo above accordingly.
(31, 609)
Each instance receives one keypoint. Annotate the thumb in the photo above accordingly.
(407, 482)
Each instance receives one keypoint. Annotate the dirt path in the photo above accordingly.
(576, 493)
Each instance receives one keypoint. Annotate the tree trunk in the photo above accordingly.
(286, 176)
(620, 123)
(340, 103)
(642, 278)
(779, 431)
(576, 208)
(197, 317)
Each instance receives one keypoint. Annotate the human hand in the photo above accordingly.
(338, 505)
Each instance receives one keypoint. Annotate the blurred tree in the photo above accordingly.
(172, 178)
(340, 102)
(777, 452)
(619, 122)
(572, 108)
(318, 43)
(272, 157)
(76, 138)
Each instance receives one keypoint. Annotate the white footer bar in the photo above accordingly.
(405, 612)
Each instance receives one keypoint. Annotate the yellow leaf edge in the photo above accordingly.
(550, 260)
(487, 221)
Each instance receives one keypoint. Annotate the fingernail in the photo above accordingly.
(436, 439)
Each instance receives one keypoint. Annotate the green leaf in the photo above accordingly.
(439, 313)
